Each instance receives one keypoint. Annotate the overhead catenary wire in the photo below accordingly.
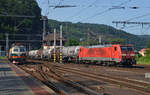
(97, 14)
(125, 2)
(22, 34)
(106, 10)
(146, 29)
(137, 17)
(82, 10)
(133, 26)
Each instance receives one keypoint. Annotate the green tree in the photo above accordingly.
(117, 41)
(18, 24)
(73, 42)
(84, 43)
(94, 42)
(148, 45)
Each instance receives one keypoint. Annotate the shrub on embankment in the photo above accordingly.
(144, 59)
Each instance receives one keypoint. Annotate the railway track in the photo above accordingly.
(125, 82)
(133, 84)
(43, 79)
(137, 85)
(45, 75)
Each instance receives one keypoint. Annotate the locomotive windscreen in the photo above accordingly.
(16, 49)
(126, 48)
(22, 49)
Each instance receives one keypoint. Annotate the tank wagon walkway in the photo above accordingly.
(14, 81)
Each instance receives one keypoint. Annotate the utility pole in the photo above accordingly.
(88, 38)
(29, 46)
(60, 43)
(0, 50)
(67, 32)
(54, 45)
(100, 39)
(7, 43)
(44, 18)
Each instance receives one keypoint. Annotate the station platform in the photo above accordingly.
(14, 81)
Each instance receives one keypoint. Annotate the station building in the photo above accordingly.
(49, 41)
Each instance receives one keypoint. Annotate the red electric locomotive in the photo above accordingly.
(117, 54)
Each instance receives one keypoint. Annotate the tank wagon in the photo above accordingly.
(47, 54)
(33, 54)
(70, 53)
(17, 53)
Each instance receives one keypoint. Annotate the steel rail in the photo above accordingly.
(72, 83)
(45, 80)
(128, 83)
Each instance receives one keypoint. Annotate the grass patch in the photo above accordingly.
(143, 59)
(3, 57)
(121, 86)
(148, 87)
(144, 63)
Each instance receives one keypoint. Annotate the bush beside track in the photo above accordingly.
(143, 59)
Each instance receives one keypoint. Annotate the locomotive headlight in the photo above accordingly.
(123, 54)
(132, 54)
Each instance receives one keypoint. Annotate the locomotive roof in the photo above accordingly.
(18, 46)
(98, 46)
(108, 45)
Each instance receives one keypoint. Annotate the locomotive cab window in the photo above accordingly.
(115, 48)
(123, 48)
(15, 49)
(22, 50)
(130, 48)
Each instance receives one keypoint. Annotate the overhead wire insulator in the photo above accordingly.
(134, 7)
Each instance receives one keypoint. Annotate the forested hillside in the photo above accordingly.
(91, 32)
(85, 33)
(19, 24)
(14, 21)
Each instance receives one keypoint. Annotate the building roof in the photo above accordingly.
(144, 49)
(50, 37)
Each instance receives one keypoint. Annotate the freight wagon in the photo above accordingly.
(101, 54)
